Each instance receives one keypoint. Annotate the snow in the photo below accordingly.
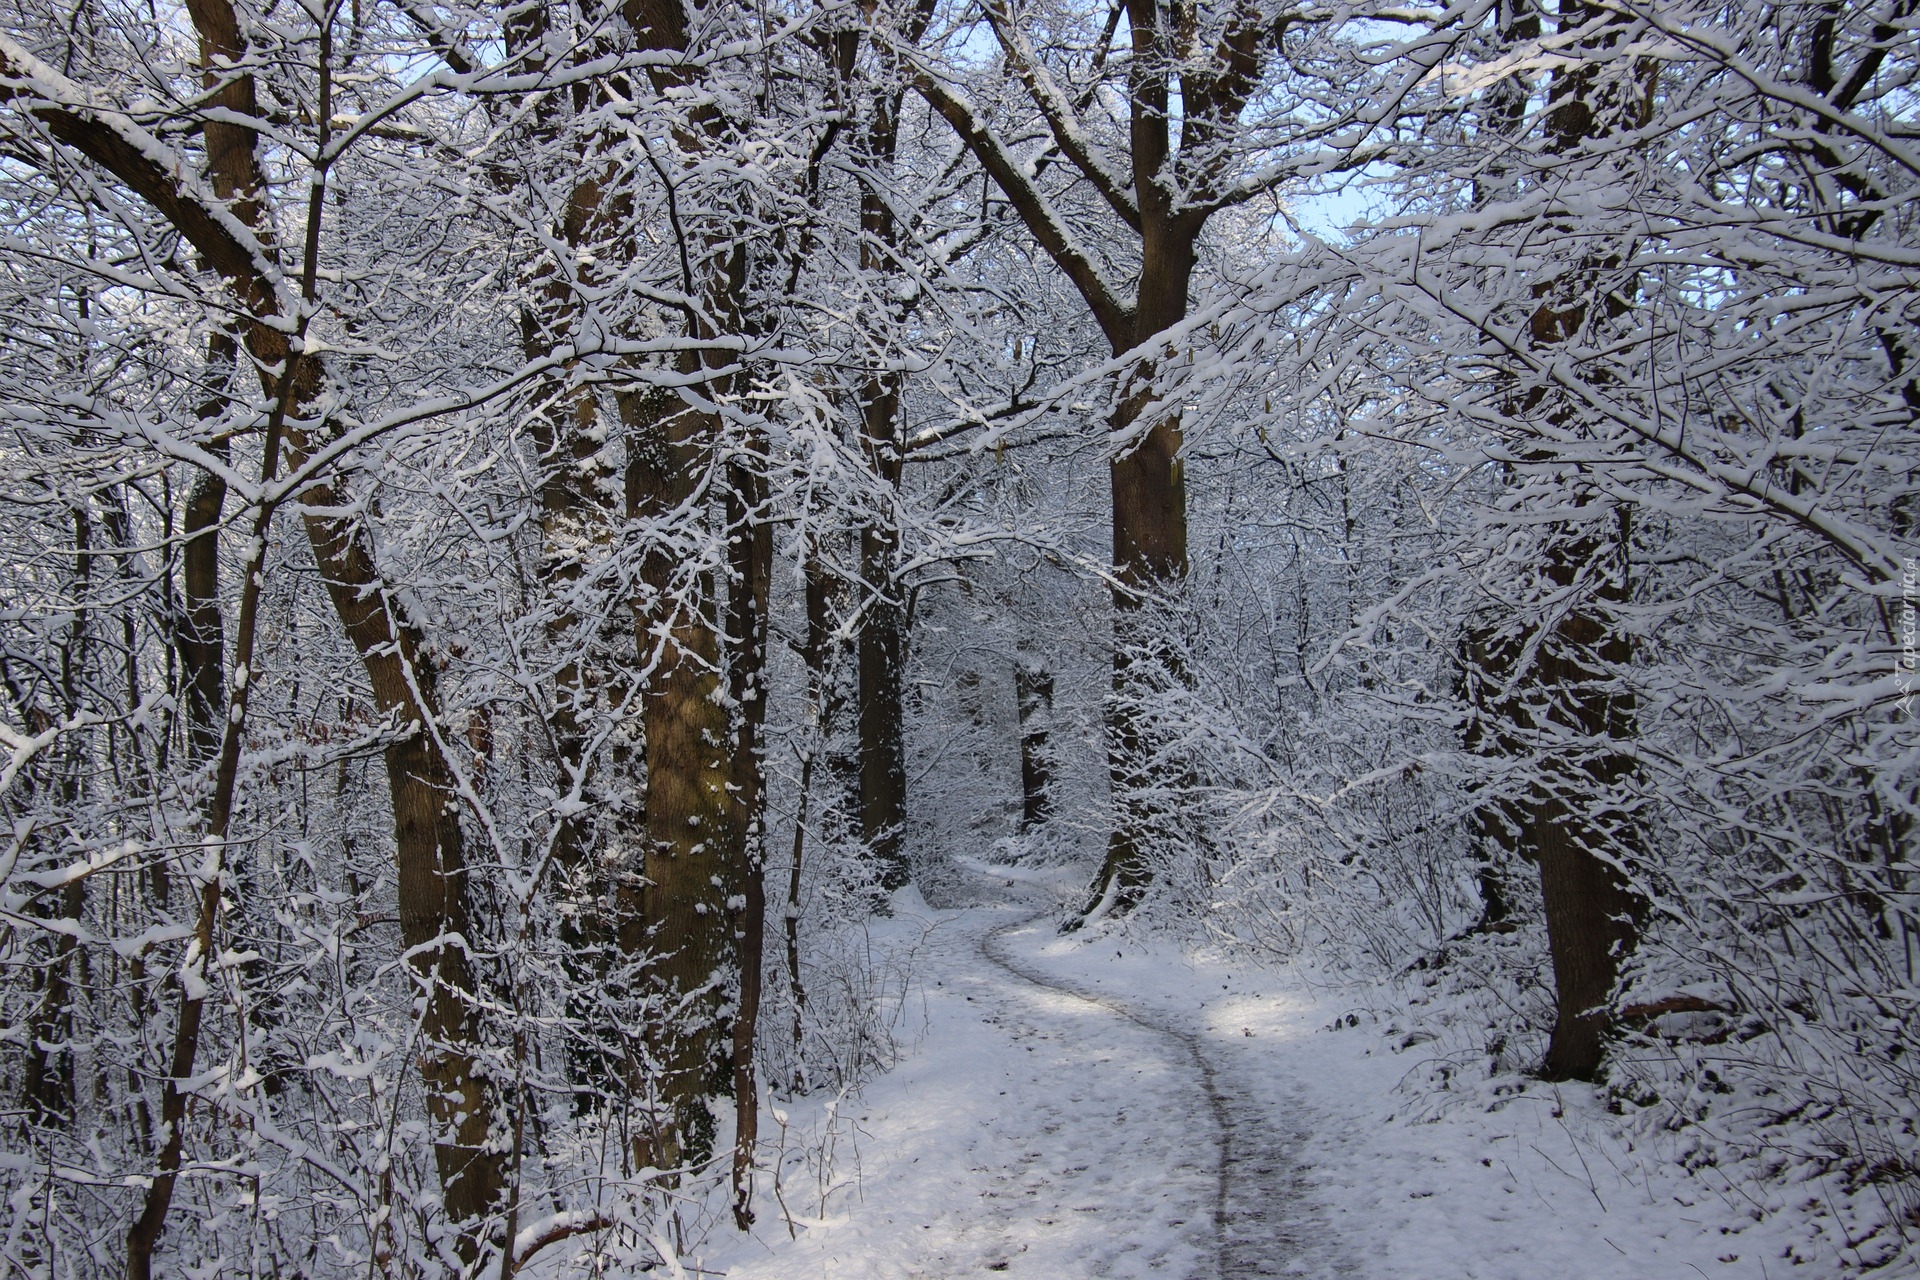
(1083, 1127)
(1031, 1133)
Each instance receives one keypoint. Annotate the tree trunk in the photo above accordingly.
(430, 861)
(672, 916)
(48, 1089)
(1591, 922)
(1496, 823)
(1574, 826)
(831, 677)
(1592, 914)
(580, 496)
(1561, 713)
(1033, 690)
(883, 642)
(592, 680)
(883, 627)
(1149, 557)
(822, 655)
(1148, 484)
(201, 640)
(750, 542)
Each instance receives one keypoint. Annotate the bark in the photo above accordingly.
(580, 499)
(593, 679)
(830, 676)
(675, 912)
(883, 643)
(1488, 663)
(1560, 714)
(430, 861)
(1149, 555)
(1163, 209)
(144, 1236)
(1592, 921)
(1033, 690)
(201, 640)
(234, 171)
(1575, 829)
(672, 911)
(751, 556)
(579, 489)
(576, 527)
(1568, 709)
(883, 625)
(822, 654)
(791, 912)
(48, 1089)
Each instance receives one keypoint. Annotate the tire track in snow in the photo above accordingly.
(1262, 1223)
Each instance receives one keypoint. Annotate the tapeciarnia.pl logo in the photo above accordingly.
(1909, 588)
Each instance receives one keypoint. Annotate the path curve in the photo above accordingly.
(1263, 1215)
(1222, 1125)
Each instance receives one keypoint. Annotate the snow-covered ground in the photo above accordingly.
(1077, 1107)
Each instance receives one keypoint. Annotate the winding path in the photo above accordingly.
(1066, 1111)
(1042, 1127)
(1263, 1224)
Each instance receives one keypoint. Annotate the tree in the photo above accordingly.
(1200, 111)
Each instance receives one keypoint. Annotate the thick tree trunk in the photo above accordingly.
(883, 643)
(1561, 713)
(1149, 557)
(1574, 826)
(1033, 691)
(883, 628)
(430, 861)
(576, 529)
(1166, 205)
(596, 774)
(672, 916)
(1591, 923)
(682, 925)
(750, 541)
(1576, 829)
(578, 507)
(1149, 486)
(703, 789)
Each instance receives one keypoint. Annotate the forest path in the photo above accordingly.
(1046, 1129)
(1264, 1221)
(1087, 1106)
(1029, 1133)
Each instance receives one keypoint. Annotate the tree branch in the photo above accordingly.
(147, 166)
(1060, 115)
(1115, 316)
